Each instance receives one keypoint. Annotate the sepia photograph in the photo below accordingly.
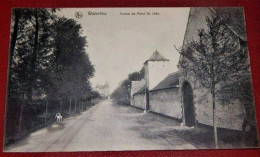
(129, 79)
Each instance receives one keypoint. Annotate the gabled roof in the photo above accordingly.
(156, 56)
(172, 80)
(137, 87)
(141, 90)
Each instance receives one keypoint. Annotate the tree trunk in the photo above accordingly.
(213, 90)
(17, 17)
(46, 112)
(75, 105)
(81, 106)
(214, 119)
(34, 55)
(60, 105)
(21, 117)
(70, 107)
(29, 94)
(35, 45)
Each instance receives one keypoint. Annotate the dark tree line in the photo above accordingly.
(122, 93)
(49, 70)
(219, 61)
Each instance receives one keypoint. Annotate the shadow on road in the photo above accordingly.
(153, 126)
(56, 126)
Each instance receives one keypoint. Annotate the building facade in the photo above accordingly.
(196, 100)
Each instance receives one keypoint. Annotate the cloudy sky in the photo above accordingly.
(119, 44)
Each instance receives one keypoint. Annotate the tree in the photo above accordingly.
(29, 55)
(29, 47)
(214, 59)
(122, 93)
(71, 68)
(47, 54)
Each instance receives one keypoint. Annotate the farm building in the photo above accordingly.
(180, 94)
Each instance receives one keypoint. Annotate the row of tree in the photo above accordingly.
(47, 58)
(122, 93)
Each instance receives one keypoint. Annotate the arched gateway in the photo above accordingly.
(188, 106)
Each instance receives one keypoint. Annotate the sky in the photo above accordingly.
(119, 44)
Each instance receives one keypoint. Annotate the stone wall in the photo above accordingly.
(230, 116)
(166, 102)
(139, 100)
(169, 102)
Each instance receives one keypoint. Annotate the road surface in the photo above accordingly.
(106, 126)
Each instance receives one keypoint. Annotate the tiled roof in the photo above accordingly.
(141, 90)
(137, 86)
(172, 80)
(156, 56)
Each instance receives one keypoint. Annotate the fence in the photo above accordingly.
(23, 117)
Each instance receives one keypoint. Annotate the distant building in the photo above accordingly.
(103, 90)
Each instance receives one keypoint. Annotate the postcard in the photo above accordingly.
(120, 79)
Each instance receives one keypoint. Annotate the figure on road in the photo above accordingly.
(58, 117)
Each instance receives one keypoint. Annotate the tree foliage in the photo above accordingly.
(122, 92)
(71, 68)
(47, 58)
(29, 49)
(216, 56)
